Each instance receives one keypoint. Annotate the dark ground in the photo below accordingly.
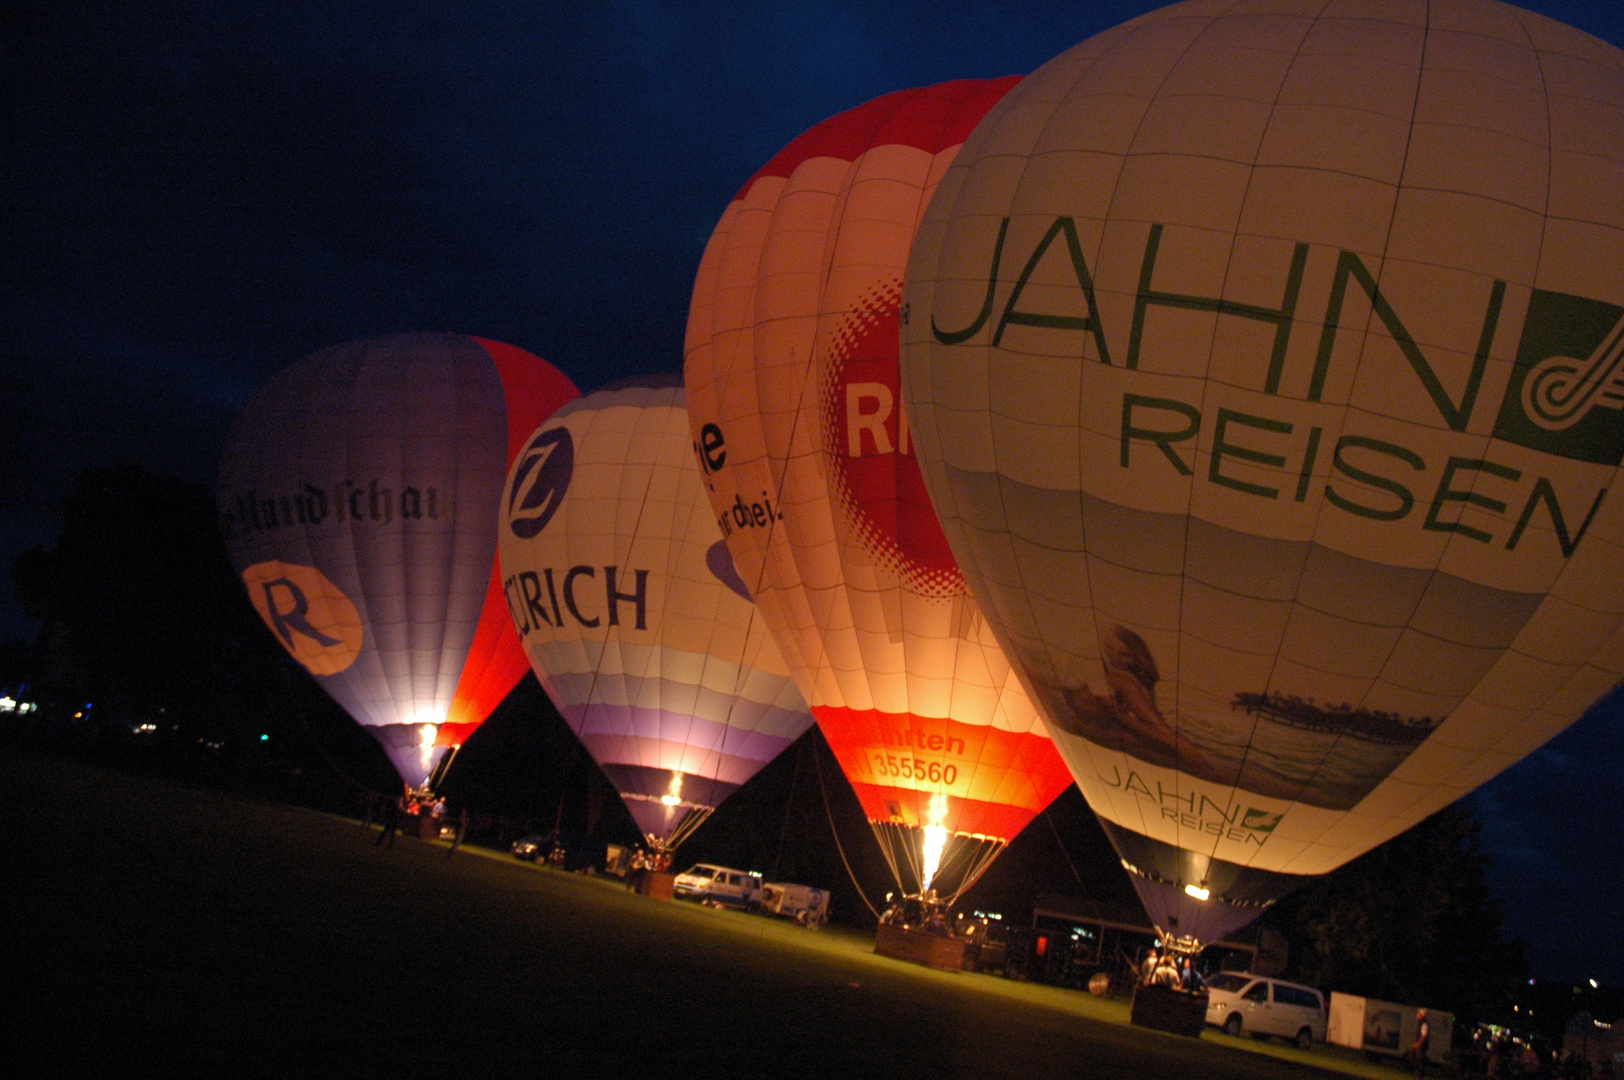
(155, 927)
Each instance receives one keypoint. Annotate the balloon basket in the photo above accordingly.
(920, 947)
(422, 826)
(1166, 1009)
(658, 884)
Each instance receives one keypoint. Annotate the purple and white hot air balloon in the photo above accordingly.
(627, 603)
(358, 496)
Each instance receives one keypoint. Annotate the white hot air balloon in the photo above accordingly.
(628, 606)
(1267, 371)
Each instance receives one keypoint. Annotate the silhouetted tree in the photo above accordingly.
(1411, 921)
(142, 614)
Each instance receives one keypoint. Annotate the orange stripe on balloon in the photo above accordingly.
(995, 781)
(534, 390)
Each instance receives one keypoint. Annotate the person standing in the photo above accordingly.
(1147, 970)
(391, 823)
(456, 837)
(1423, 1036)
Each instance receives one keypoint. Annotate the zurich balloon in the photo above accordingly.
(791, 363)
(1265, 367)
(358, 495)
(631, 612)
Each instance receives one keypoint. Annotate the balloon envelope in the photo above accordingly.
(1263, 369)
(631, 613)
(791, 364)
(358, 495)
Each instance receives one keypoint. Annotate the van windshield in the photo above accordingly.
(1228, 983)
(700, 871)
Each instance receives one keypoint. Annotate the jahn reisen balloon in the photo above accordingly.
(1267, 370)
(358, 495)
(792, 371)
(632, 615)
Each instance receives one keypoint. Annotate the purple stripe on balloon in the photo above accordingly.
(669, 756)
(685, 728)
(640, 783)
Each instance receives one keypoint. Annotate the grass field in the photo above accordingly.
(157, 927)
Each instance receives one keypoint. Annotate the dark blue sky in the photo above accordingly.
(197, 194)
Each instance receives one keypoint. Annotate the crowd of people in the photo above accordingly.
(415, 807)
(1164, 967)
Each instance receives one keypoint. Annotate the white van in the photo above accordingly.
(1240, 1001)
(719, 885)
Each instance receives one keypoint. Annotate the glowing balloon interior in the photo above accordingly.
(1264, 368)
(791, 364)
(630, 610)
(358, 495)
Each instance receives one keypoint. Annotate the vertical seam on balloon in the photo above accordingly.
(1146, 828)
(1431, 572)
(681, 412)
(795, 655)
(386, 701)
(443, 345)
(612, 631)
(1454, 540)
(1296, 602)
(1539, 57)
(1240, 766)
(808, 381)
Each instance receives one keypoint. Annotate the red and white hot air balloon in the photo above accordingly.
(794, 399)
(358, 495)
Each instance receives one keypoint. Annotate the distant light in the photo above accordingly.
(1593, 985)
(8, 703)
(264, 738)
(1197, 891)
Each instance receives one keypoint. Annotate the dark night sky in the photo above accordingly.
(197, 194)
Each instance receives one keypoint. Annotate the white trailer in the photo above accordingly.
(803, 903)
(1383, 1027)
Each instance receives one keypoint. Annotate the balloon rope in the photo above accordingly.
(816, 760)
(890, 837)
(1067, 855)
(984, 860)
(696, 817)
(789, 803)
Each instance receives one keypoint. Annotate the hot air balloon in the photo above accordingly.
(358, 495)
(631, 612)
(1265, 371)
(791, 363)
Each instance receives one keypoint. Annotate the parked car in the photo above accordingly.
(1241, 1001)
(719, 885)
(531, 848)
(575, 853)
(805, 904)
